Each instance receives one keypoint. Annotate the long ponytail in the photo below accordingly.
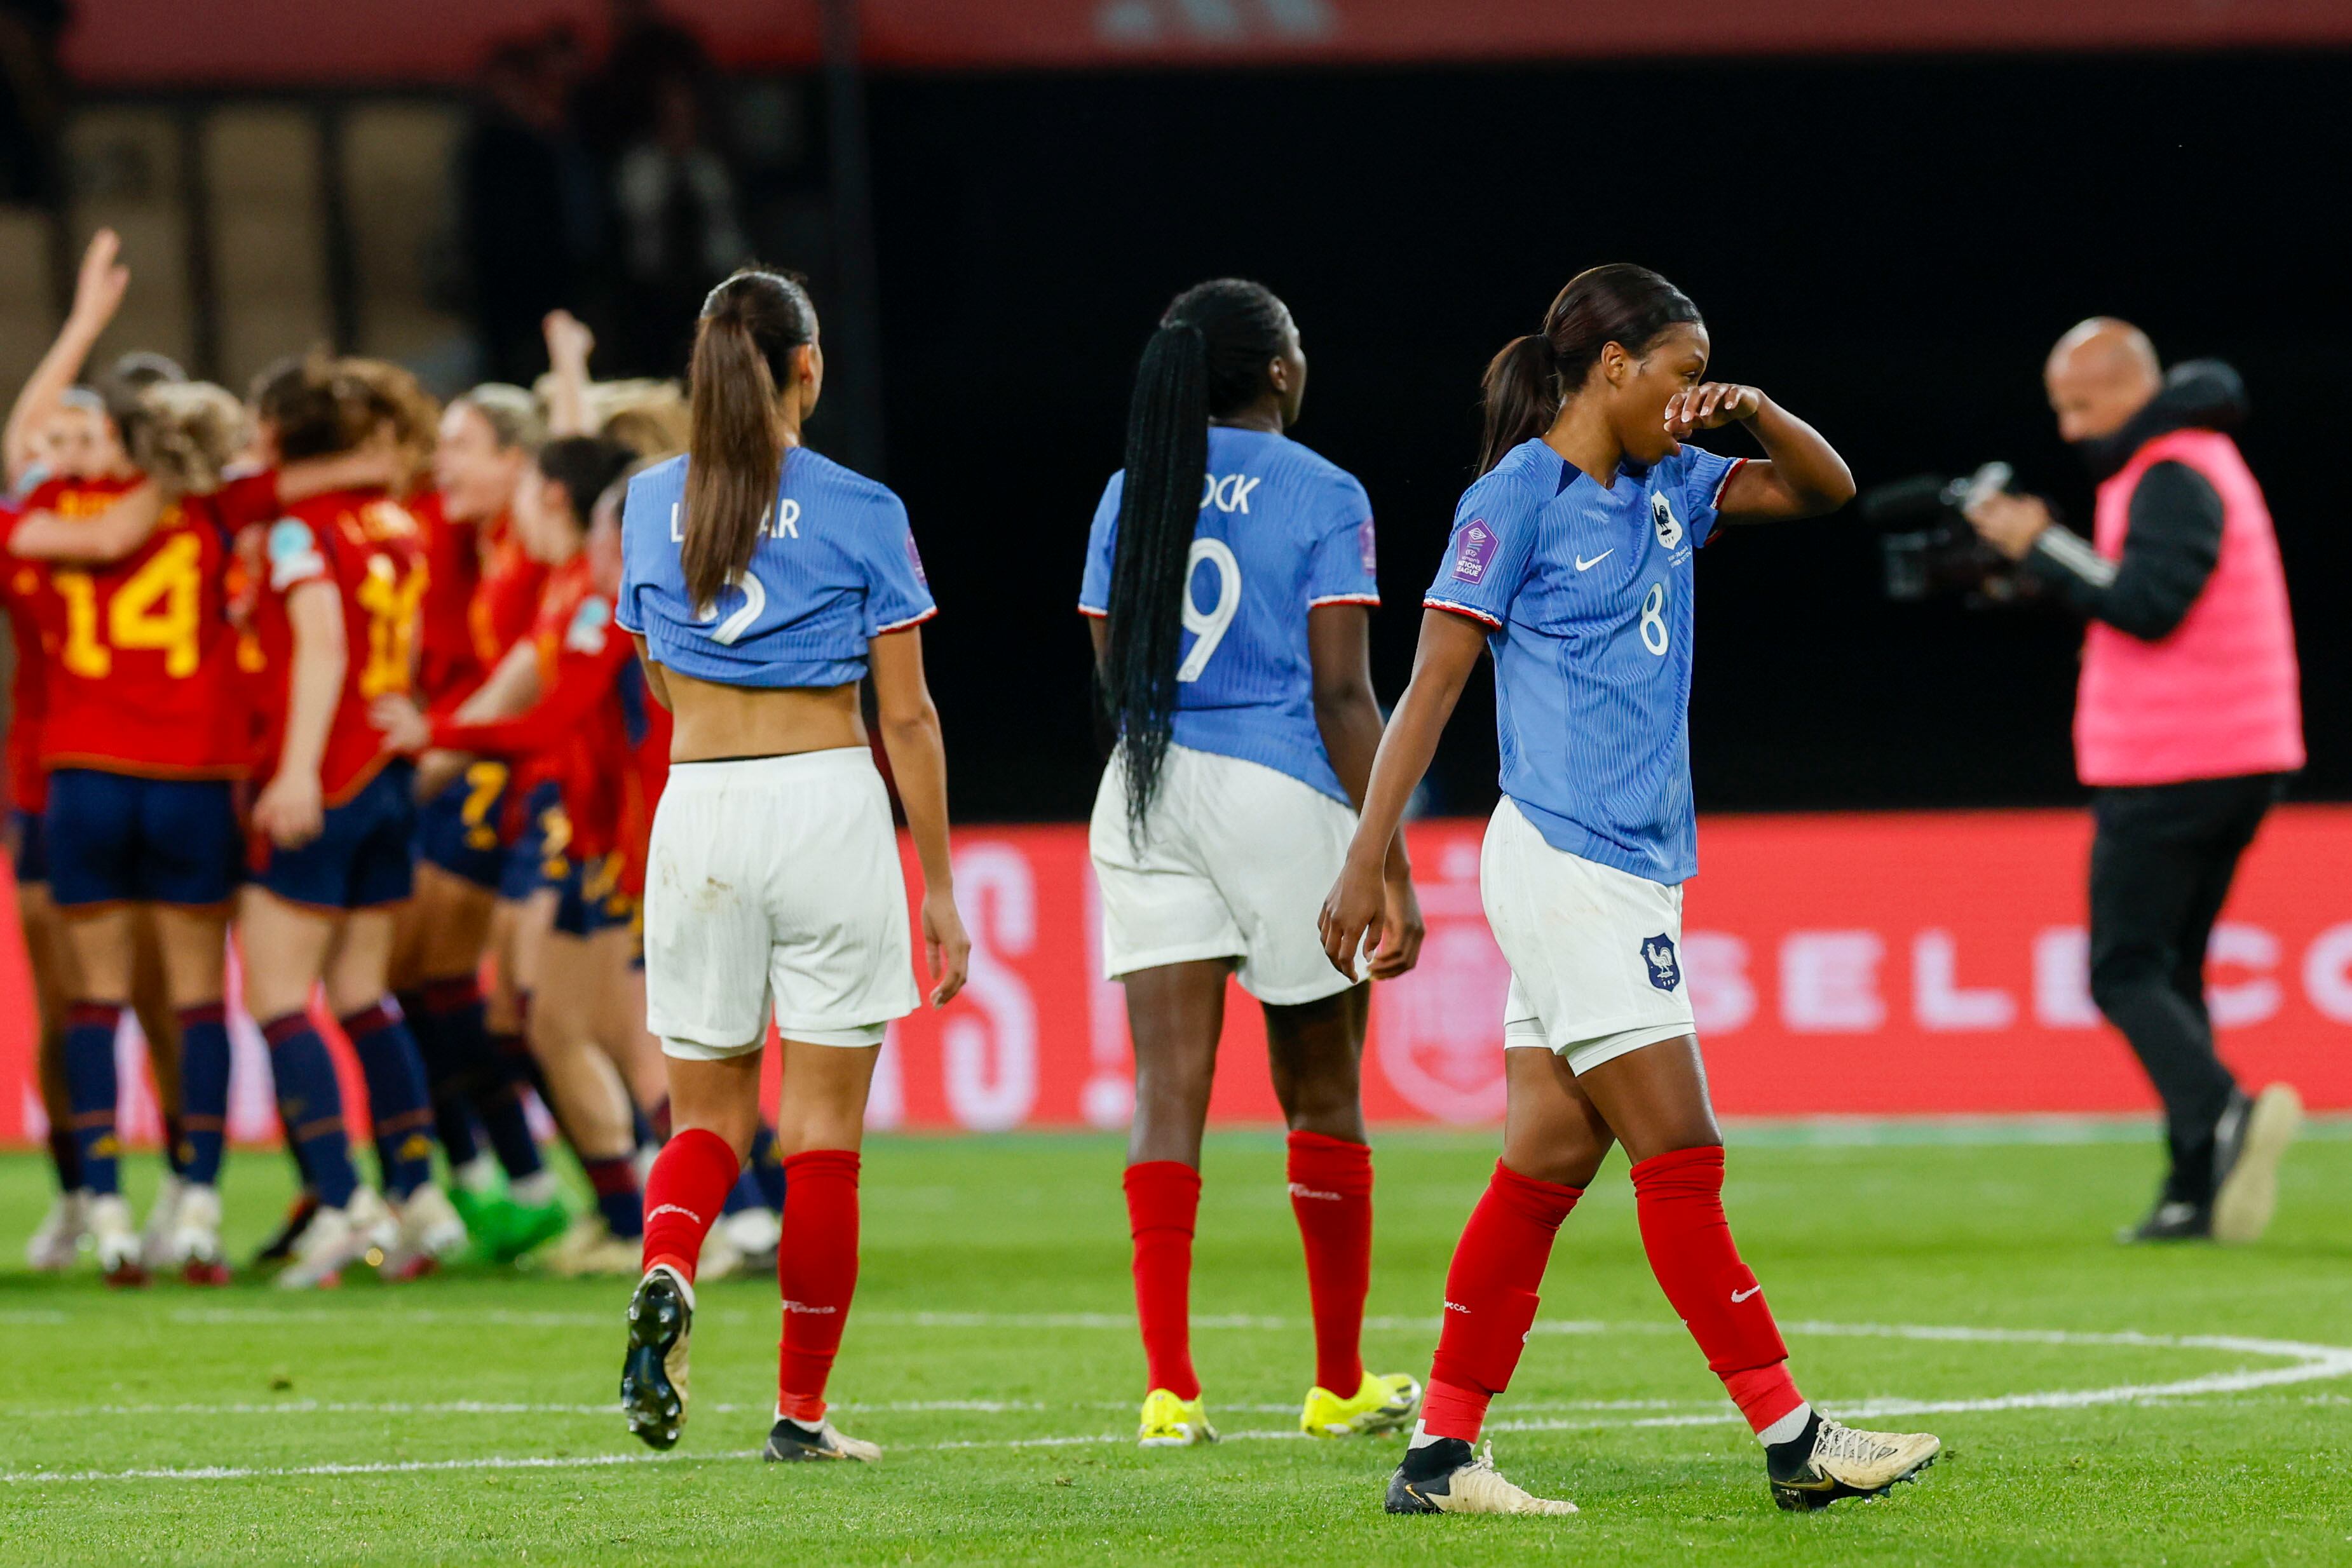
(1208, 358)
(735, 458)
(1527, 383)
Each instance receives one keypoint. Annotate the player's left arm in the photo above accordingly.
(1801, 476)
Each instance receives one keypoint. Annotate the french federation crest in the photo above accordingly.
(1658, 953)
(1670, 533)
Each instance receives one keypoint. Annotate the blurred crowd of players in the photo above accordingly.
(450, 871)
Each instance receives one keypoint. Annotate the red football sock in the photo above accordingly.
(689, 1182)
(1331, 1194)
(1679, 1197)
(1490, 1297)
(1163, 1199)
(816, 1268)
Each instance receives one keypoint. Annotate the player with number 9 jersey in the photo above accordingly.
(1230, 577)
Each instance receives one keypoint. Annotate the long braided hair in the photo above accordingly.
(1207, 359)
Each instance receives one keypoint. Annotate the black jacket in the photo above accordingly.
(2175, 532)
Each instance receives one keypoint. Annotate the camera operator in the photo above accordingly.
(2187, 723)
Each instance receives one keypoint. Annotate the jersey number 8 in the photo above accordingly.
(1209, 626)
(1653, 620)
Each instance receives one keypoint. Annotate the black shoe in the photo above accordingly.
(2171, 1220)
(791, 1440)
(653, 1374)
(280, 1248)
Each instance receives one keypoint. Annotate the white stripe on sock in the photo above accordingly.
(1788, 1427)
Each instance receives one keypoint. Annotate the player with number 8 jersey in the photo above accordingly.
(1570, 562)
(1230, 580)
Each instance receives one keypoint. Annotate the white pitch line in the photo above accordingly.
(2315, 1362)
(892, 1406)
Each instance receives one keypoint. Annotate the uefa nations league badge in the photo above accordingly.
(1471, 554)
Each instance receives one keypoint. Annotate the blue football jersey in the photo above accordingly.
(1586, 593)
(835, 566)
(1281, 530)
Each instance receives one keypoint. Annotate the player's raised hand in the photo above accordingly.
(946, 950)
(1711, 405)
(568, 340)
(290, 810)
(103, 280)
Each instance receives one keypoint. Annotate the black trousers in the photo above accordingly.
(2161, 863)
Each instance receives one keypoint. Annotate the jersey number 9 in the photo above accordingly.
(1209, 626)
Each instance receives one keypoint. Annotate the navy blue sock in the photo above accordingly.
(444, 1077)
(641, 1127)
(176, 1136)
(310, 1104)
(767, 1167)
(457, 1012)
(92, 1091)
(398, 1102)
(745, 1194)
(203, 1092)
(619, 1199)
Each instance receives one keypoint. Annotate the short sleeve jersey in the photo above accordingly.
(834, 567)
(1586, 596)
(1281, 530)
(144, 680)
(371, 548)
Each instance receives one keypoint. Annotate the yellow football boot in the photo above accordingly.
(1382, 1403)
(1173, 1422)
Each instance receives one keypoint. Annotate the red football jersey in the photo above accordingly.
(143, 679)
(21, 589)
(371, 549)
(448, 664)
(575, 734)
(507, 600)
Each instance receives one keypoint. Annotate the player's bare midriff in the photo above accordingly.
(716, 722)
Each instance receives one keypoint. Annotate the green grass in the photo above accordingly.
(995, 1273)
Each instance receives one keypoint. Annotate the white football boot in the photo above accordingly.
(57, 1242)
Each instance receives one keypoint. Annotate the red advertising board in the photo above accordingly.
(177, 42)
(1839, 965)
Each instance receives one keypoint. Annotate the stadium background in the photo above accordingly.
(1031, 181)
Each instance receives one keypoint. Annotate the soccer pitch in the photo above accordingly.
(2098, 1404)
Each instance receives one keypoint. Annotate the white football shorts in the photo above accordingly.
(1233, 863)
(773, 886)
(1595, 952)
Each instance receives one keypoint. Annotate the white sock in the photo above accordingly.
(1787, 1429)
(479, 1174)
(1421, 1437)
(532, 1190)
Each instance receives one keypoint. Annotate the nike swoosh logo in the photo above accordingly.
(1584, 565)
(1739, 1296)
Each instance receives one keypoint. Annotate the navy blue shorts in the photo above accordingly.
(538, 858)
(589, 899)
(457, 829)
(112, 838)
(361, 859)
(32, 862)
